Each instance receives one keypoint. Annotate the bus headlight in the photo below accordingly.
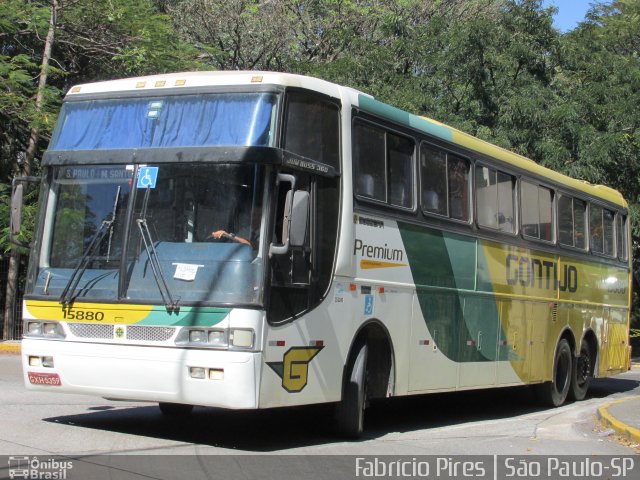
(34, 329)
(197, 336)
(37, 329)
(218, 338)
(240, 338)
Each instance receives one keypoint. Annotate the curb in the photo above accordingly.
(621, 428)
(10, 347)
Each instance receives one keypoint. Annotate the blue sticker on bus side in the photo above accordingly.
(147, 177)
(368, 304)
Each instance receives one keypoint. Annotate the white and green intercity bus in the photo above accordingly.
(249, 240)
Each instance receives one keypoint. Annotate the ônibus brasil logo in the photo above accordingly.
(34, 468)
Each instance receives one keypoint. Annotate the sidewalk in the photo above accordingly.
(9, 346)
(623, 416)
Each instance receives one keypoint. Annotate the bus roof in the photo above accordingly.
(367, 103)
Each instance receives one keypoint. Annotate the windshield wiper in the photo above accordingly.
(67, 294)
(154, 261)
(106, 226)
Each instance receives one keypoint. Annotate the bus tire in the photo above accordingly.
(175, 409)
(582, 372)
(349, 413)
(554, 393)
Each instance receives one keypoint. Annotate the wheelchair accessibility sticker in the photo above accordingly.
(147, 177)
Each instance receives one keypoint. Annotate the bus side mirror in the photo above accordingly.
(295, 217)
(16, 209)
(17, 201)
(298, 218)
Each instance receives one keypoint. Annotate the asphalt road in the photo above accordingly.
(504, 421)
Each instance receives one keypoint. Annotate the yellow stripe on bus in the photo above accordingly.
(86, 312)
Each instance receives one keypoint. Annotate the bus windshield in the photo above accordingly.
(194, 228)
(225, 119)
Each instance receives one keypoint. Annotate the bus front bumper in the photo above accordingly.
(133, 372)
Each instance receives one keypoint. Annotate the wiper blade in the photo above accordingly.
(67, 294)
(106, 226)
(156, 268)
(154, 261)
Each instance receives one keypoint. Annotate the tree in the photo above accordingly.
(59, 42)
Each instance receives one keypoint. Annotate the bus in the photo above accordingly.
(249, 240)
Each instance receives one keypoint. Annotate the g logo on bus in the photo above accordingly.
(119, 332)
(294, 368)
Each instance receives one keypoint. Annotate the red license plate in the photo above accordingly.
(52, 379)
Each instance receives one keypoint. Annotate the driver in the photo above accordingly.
(224, 236)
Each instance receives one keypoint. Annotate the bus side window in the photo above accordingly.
(400, 155)
(580, 223)
(537, 211)
(596, 239)
(495, 193)
(445, 183)
(621, 236)
(565, 221)
(433, 174)
(607, 227)
(369, 157)
(313, 128)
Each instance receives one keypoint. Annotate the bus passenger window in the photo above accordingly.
(572, 214)
(565, 221)
(400, 154)
(580, 223)
(621, 236)
(445, 183)
(595, 229)
(537, 212)
(458, 173)
(433, 172)
(495, 199)
(607, 227)
(369, 157)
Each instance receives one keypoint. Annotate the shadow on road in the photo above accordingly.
(286, 428)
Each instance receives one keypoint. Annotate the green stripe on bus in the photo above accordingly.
(401, 117)
(464, 325)
(186, 317)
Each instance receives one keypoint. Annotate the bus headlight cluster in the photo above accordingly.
(38, 329)
(232, 338)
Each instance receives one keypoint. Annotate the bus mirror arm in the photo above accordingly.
(282, 249)
(17, 201)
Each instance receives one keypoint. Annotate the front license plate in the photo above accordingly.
(52, 379)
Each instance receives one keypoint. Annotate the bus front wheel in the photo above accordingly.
(350, 410)
(555, 393)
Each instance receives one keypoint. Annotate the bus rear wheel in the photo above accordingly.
(582, 372)
(349, 413)
(554, 393)
(175, 409)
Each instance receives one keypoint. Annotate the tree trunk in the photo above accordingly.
(44, 68)
(26, 168)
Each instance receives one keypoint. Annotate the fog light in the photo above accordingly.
(34, 361)
(242, 338)
(197, 336)
(47, 362)
(216, 374)
(197, 372)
